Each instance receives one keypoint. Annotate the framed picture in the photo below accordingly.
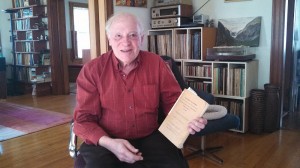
(132, 3)
(239, 31)
(235, 0)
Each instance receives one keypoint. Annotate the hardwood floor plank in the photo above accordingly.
(49, 147)
(46, 148)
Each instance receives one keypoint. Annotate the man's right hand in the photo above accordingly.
(124, 151)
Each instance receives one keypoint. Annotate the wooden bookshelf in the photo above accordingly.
(182, 43)
(229, 82)
(32, 51)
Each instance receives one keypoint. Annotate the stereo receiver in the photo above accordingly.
(172, 11)
(171, 2)
(169, 22)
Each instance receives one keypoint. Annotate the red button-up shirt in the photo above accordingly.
(122, 106)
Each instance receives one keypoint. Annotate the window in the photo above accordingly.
(80, 35)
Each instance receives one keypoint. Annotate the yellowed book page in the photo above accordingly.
(188, 107)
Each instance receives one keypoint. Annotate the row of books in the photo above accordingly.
(26, 12)
(233, 107)
(33, 74)
(200, 85)
(26, 3)
(232, 86)
(194, 45)
(25, 59)
(180, 51)
(30, 46)
(31, 35)
(160, 44)
(26, 46)
(32, 59)
(21, 3)
(198, 70)
(22, 24)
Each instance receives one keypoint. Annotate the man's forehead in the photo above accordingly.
(117, 28)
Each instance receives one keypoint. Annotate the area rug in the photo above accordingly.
(17, 120)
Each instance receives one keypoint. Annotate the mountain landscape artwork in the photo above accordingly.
(239, 32)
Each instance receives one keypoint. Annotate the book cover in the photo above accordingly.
(187, 107)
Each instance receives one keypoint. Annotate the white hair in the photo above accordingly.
(121, 14)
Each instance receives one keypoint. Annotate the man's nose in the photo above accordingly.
(126, 39)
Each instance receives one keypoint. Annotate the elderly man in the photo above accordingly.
(118, 95)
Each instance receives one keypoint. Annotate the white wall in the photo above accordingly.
(5, 30)
(142, 13)
(218, 9)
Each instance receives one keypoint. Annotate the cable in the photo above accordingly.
(201, 7)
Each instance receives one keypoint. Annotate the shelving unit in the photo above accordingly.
(232, 83)
(229, 82)
(182, 43)
(31, 46)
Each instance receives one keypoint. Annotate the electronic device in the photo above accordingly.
(230, 53)
(169, 22)
(172, 11)
(171, 2)
(201, 19)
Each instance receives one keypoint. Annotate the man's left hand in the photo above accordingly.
(197, 125)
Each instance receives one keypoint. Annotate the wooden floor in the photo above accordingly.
(49, 148)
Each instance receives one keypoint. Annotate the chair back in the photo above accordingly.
(209, 98)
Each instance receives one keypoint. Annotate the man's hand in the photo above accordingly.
(124, 151)
(197, 125)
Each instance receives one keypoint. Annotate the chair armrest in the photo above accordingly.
(73, 142)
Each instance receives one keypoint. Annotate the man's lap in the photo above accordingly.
(157, 151)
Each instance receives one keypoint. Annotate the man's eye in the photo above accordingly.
(133, 36)
(118, 36)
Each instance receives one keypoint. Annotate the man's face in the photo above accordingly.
(125, 39)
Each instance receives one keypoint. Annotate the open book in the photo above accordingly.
(187, 107)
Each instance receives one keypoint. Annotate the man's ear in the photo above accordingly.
(142, 38)
(108, 42)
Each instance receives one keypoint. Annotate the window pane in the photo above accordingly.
(81, 25)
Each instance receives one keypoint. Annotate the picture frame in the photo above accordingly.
(132, 3)
(244, 31)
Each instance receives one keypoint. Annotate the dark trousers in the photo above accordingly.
(157, 151)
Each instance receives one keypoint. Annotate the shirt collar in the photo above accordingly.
(116, 62)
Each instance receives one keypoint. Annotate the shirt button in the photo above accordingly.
(130, 107)
(129, 90)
